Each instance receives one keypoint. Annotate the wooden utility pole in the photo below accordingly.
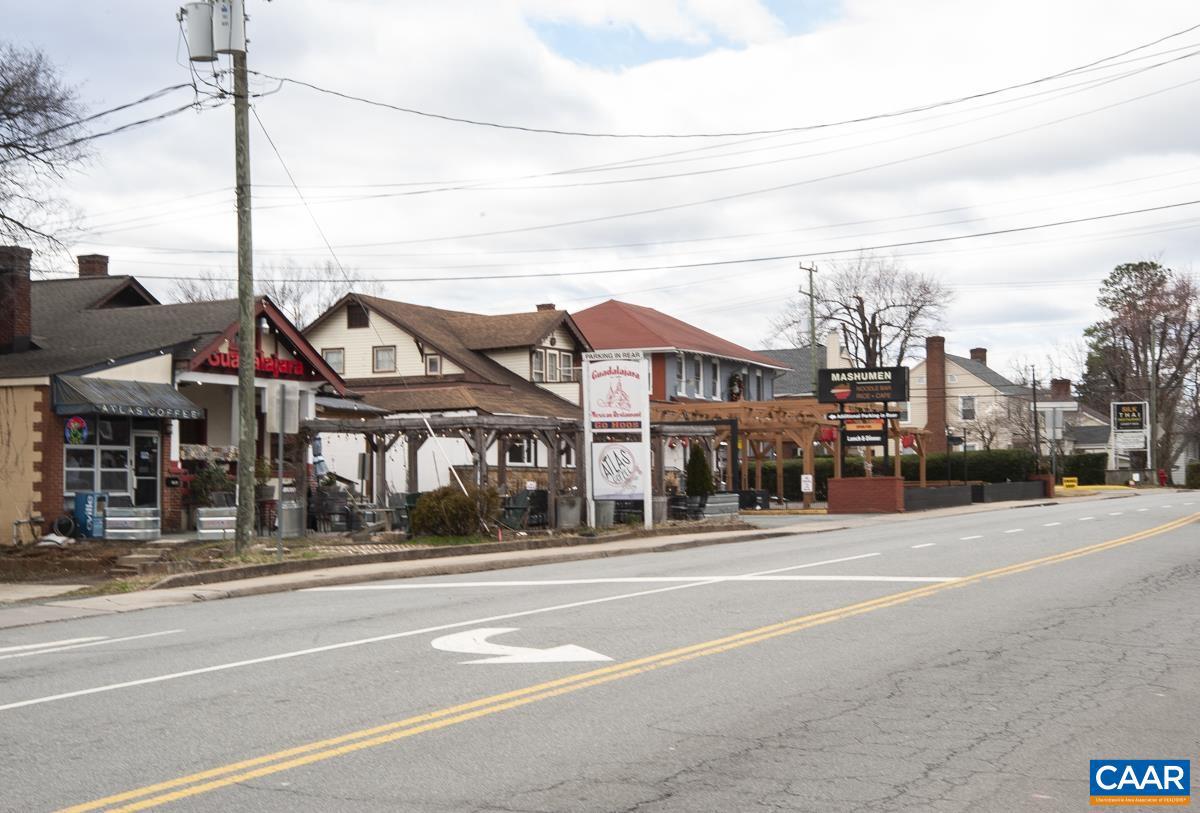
(247, 416)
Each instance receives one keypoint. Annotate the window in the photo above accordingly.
(98, 458)
(967, 407)
(920, 379)
(715, 384)
(383, 359)
(335, 357)
(566, 367)
(680, 360)
(523, 452)
(433, 364)
(551, 367)
(951, 379)
(79, 469)
(758, 381)
(568, 456)
(697, 374)
(356, 316)
(539, 366)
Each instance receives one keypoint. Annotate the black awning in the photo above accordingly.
(134, 399)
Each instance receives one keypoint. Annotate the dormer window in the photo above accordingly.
(552, 367)
(433, 364)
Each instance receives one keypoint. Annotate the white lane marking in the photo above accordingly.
(1085, 519)
(63, 642)
(1167, 505)
(1143, 509)
(282, 656)
(926, 545)
(1188, 503)
(92, 643)
(966, 538)
(632, 580)
(475, 642)
(1051, 524)
(1014, 530)
(1115, 513)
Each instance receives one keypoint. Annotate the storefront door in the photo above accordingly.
(145, 469)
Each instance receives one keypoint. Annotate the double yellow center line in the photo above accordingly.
(321, 750)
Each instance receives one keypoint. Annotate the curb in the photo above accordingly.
(203, 577)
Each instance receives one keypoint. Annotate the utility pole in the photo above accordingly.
(248, 418)
(812, 324)
(1037, 434)
(1152, 369)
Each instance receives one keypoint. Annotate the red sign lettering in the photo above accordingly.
(267, 365)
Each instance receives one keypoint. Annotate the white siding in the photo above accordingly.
(571, 391)
(156, 370)
(359, 342)
(516, 359)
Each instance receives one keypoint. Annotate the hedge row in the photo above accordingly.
(1192, 479)
(1089, 467)
(995, 466)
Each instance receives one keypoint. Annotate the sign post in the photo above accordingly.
(616, 406)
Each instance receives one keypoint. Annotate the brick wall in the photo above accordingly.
(866, 495)
(1047, 482)
(49, 469)
(171, 499)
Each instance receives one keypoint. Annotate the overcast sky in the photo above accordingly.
(402, 196)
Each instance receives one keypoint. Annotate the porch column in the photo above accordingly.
(302, 444)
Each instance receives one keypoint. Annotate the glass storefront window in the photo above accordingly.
(114, 458)
(80, 480)
(113, 432)
(114, 480)
(78, 458)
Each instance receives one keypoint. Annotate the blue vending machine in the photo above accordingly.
(90, 508)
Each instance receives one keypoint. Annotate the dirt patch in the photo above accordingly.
(85, 563)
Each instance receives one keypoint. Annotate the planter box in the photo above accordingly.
(922, 499)
(999, 492)
(721, 505)
(569, 509)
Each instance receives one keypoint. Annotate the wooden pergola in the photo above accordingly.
(759, 427)
(479, 432)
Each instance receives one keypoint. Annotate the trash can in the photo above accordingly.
(90, 509)
(605, 509)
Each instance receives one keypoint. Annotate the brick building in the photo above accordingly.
(105, 389)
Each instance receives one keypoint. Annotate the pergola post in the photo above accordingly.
(380, 492)
(502, 464)
(479, 446)
(921, 459)
(412, 445)
(837, 455)
(809, 465)
(658, 450)
(899, 472)
(759, 450)
(744, 460)
(779, 467)
(581, 474)
(302, 443)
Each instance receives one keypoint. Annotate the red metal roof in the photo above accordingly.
(614, 325)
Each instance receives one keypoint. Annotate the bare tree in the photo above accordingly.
(39, 122)
(879, 308)
(302, 292)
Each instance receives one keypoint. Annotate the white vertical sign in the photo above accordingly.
(616, 401)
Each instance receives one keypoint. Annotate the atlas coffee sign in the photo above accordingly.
(263, 365)
(862, 385)
(618, 471)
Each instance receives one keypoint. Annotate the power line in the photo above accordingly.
(731, 134)
(762, 259)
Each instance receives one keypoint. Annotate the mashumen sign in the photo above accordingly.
(862, 385)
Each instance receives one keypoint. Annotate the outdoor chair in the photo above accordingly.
(516, 511)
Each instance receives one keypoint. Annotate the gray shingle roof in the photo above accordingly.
(71, 336)
(797, 380)
(987, 375)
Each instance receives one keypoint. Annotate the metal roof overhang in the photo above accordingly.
(135, 399)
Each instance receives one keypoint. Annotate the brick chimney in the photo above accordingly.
(546, 306)
(1060, 389)
(16, 321)
(935, 393)
(93, 265)
(979, 354)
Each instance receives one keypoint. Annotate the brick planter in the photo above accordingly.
(866, 495)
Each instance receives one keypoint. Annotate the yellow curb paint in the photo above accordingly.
(321, 750)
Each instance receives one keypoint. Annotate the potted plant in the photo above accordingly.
(262, 473)
(699, 478)
(210, 480)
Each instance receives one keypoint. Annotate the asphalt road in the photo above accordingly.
(972, 662)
